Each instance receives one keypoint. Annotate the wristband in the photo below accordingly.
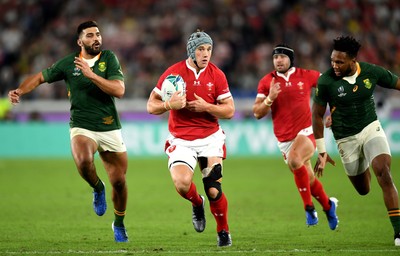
(268, 102)
(165, 106)
(320, 145)
(169, 105)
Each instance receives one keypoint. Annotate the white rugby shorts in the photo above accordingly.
(106, 141)
(187, 152)
(358, 151)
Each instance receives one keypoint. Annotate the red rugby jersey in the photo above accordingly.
(211, 85)
(291, 109)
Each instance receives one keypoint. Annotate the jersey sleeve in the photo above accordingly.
(222, 87)
(114, 70)
(321, 95)
(386, 78)
(313, 76)
(55, 72)
(263, 86)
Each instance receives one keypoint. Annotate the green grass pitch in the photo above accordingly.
(46, 209)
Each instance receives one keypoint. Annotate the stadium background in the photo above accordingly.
(148, 36)
(45, 206)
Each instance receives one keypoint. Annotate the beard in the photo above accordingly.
(347, 72)
(92, 49)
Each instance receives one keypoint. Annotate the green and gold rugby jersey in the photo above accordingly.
(352, 104)
(91, 108)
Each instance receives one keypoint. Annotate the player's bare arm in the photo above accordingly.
(397, 87)
(262, 106)
(225, 108)
(260, 109)
(114, 88)
(318, 112)
(156, 106)
(26, 86)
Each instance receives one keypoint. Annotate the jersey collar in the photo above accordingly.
(91, 61)
(352, 79)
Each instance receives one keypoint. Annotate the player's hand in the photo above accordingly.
(177, 102)
(328, 121)
(13, 96)
(321, 162)
(197, 105)
(84, 67)
(274, 89)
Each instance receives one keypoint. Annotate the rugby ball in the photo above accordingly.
(171, 84)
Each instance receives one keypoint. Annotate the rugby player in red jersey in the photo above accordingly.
(195, 135)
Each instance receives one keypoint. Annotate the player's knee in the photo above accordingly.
(118, 184)
(294, 162)
(362, 190)
(212, 183)
(182, 185)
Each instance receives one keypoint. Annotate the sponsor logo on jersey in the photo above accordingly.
(196, 83)
(355, 88)
(367, 83)
(102, 66)
(77, 72)
(341, 91)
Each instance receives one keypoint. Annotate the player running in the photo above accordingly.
(195, 135)
(286, 92)
(348, 88)
(94, 78)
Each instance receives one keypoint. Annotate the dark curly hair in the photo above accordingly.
(347, 44)
(85, 25)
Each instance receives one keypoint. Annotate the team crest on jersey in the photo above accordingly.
(209, 85)
(77, 72)
(341, 91)
(355, 88)
(300, 85)
(102, 66)
(367, 83)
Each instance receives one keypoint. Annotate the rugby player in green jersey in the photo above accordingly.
(348, 89)
(94, 78)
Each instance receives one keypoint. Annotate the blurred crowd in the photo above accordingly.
(150, 35)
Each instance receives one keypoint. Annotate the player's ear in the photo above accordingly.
(79, 41)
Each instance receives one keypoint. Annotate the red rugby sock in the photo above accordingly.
(318, 192)
(192, 195)
(219, 209)
(303, 184)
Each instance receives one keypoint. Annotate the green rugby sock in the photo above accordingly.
(99, 186)
(394, 215)
(119, 218)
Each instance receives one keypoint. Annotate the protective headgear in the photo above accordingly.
(286, 50)
(195, 40)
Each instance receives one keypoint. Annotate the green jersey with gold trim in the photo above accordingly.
(91, 108)
(352, 102)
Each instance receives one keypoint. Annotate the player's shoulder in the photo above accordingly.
(268, 77)
(369, 67)
(176, 68)
(214, 71)
(108, 54)
(66, 60)
(214, 68)
(304, 71)
(327, 76)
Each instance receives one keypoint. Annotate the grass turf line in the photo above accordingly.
(46, 209)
